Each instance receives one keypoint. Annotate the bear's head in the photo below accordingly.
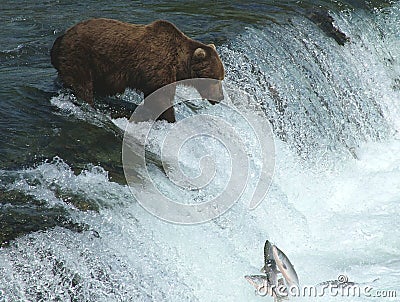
(206, 63)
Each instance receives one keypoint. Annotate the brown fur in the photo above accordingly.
(106, 56)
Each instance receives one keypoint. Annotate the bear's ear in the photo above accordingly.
(212, 46)
(199, 53)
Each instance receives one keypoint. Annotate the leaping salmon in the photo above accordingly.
(275, 263)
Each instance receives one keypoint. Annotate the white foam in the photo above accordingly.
(326, 223)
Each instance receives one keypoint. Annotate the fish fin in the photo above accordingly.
(266, 252)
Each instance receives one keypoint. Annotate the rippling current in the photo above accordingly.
(70, 229)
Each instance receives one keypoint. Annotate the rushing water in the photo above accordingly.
(70, 229)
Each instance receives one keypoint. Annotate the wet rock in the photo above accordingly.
(325, 22)
(21, 214)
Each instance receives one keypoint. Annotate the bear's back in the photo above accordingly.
(108, 27)
(104, 28)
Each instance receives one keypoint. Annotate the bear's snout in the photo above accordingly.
(213, 92)
(217, 94)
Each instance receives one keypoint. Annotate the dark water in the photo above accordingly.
(252, 39)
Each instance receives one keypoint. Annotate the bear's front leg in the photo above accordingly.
(167, 100)
(163, 96)
(168, 115)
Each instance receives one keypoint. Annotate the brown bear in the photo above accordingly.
(105, 56)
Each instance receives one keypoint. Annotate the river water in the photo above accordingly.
(70, 228)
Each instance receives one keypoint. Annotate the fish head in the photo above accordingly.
(261, 283)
